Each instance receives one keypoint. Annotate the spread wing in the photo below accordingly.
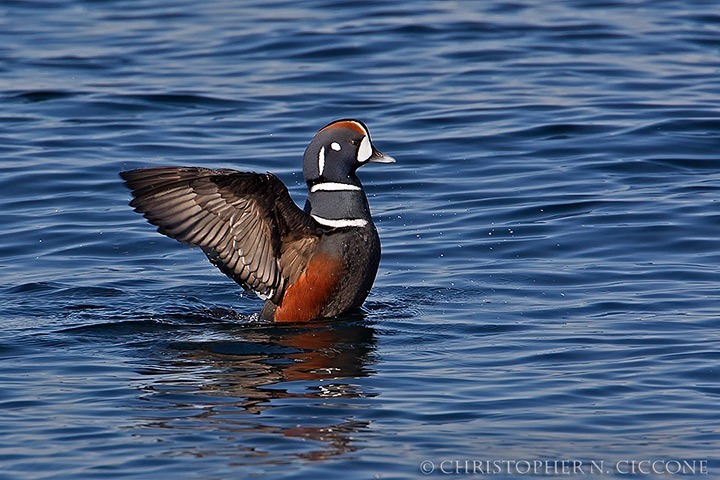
(246, 223)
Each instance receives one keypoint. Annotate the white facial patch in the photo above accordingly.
(335, 146)
(365, 150)
(321, 160)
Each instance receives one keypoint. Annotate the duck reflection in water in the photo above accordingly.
(255, 368)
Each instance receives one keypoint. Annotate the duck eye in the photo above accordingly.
(355, 142)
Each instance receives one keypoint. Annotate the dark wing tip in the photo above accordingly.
(128, 176)
(143, 177)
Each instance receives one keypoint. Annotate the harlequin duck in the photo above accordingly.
(308, 264)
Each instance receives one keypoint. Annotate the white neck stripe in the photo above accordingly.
(321, 160)
(333, 187)
(343, 222)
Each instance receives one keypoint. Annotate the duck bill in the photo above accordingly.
(379, 157)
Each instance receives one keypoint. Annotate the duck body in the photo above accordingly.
(306, 264)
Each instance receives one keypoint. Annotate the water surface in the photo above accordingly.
(548, 288)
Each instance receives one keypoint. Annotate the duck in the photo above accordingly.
(306, 264)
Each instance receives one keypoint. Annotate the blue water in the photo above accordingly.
(549, 283)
